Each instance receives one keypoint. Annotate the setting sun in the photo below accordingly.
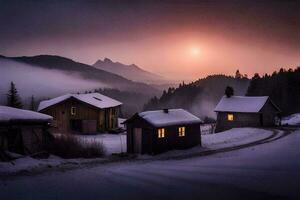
(194, 51)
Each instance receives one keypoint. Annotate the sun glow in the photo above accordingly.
(194, 51)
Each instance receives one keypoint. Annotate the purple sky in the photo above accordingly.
(177, 39)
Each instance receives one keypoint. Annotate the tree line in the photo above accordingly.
(283, 87)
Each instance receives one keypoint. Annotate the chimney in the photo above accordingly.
(166, 110)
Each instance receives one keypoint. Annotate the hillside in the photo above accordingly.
(49, 76)
(283, 87)
(199, 97)
(131, 72)
(83, 70)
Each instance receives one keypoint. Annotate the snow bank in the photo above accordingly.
(291, 120)
(233, 137)
(28, 164)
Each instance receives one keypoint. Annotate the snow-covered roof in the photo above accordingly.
(95, 99)
(172, 117)
(9, 114)
(241, 104)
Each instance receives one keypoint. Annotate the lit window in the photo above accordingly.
(181, 131)
(161, 133)
(230, 117)
(73, 110)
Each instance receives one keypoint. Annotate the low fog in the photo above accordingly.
(42, 83)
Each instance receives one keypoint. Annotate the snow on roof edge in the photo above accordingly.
(158, 118)
(9, 114)
(94, 99)
(242, 104)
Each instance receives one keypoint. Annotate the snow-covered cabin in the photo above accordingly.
(153, 132)
(245, 111)
(84, 113)
(23, 131)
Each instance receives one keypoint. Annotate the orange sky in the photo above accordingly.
(182, 40)
(173, 56)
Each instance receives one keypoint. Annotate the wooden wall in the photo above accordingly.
(264, 118)
(24, 139)
(269, 114)
(151, 144)
(106, 119)
(173, 141)
(240, 120)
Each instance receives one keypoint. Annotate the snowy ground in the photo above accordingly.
(207, 128)
(230, 138)
(116, 143)
(235, 136)
(113, 143)
(291, 120)
(268, 171)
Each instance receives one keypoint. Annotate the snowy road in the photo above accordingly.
(268, 171)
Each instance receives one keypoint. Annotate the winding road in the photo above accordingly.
(270, 170)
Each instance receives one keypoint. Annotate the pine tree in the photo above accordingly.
(13, 98)
(229, 91)
(32, 104)
(238, 74)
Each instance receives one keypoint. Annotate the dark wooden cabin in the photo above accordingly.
(246, 111)
(153, 132)
(23, 131)
(82, 113)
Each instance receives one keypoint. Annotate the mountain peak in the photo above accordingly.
(132, 72)
(107, 60)
(134, 65)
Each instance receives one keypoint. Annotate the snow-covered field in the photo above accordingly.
(235, 136)
(291, 120)
(268, 171)
(116, 143)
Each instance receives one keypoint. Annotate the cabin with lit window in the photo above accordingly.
(246, 111)
(153, 132)
(82, 113)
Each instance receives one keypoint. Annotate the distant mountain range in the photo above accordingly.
(85, 71)
(131, 72)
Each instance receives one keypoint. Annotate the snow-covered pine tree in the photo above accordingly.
(13, 98)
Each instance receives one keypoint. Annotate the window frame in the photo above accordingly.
(161, 133)
(181, 131)
(73, 110)
(230, 117)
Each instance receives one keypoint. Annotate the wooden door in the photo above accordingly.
(137, 140)
(261, 120)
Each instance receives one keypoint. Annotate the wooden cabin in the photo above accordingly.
(153, 132)
(246, 111)
(23, 131)
(82, 113)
